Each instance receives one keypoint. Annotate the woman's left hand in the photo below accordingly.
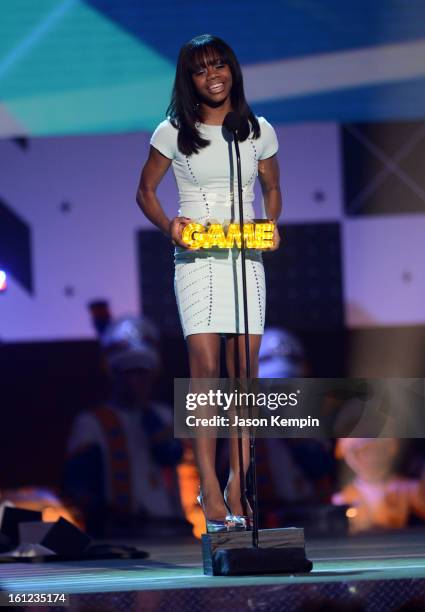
(276, 239)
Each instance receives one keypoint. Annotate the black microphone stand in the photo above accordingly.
(252, 463)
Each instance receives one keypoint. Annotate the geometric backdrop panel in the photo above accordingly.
(310, 168)
(304, 278)
(15, 246)
(384, 167)
(156, 278)
(384, 271)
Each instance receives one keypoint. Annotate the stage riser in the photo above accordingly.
(373, 596)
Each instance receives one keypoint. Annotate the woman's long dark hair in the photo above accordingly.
(184, 106)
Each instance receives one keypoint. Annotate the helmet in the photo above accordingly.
(281, 354)
(131, 343)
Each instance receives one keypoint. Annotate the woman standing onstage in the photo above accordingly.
(208, 283)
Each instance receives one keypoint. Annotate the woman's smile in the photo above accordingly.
(216, 88)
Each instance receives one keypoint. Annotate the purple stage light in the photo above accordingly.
(3, 280)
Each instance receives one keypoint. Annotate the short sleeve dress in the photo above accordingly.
(208, 282)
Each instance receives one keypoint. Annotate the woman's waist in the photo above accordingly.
(222, 213)
(214, 205)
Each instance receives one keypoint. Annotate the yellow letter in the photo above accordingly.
(233, 233)
(264, 235)
(248, 234)
(215, 236)
(193, 235)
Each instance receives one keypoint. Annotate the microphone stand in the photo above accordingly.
(252, 463)
(283, 550)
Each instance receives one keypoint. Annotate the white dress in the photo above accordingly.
(208, 282)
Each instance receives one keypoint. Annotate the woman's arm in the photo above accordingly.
(269, 177)
(152, 173)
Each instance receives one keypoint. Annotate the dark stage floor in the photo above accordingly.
(379, 572)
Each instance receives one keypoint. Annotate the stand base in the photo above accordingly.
(280, 551)
(254, 561)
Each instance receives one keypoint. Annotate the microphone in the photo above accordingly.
(232, 122)
(236, 125)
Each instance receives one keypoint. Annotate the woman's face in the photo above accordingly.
(213, 82)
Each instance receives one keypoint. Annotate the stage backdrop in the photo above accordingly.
(69, 224)
(82, 85)
(75, 66)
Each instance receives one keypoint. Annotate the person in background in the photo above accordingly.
(308, 464)
(122, 457)
(378, 497)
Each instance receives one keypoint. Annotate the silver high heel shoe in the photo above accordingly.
(217, 526)
(244, 522)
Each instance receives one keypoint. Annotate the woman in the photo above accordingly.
(208, 283)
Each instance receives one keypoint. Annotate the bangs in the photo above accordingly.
(206, 55)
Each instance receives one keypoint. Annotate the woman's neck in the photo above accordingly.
(215, 115)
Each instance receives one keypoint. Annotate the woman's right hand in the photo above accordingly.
(176, 228)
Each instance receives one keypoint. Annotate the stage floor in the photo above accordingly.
(383, 570)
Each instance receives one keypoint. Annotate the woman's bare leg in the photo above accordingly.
(239, 447)
(204, 361)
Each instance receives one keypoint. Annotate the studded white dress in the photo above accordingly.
(208, 283)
